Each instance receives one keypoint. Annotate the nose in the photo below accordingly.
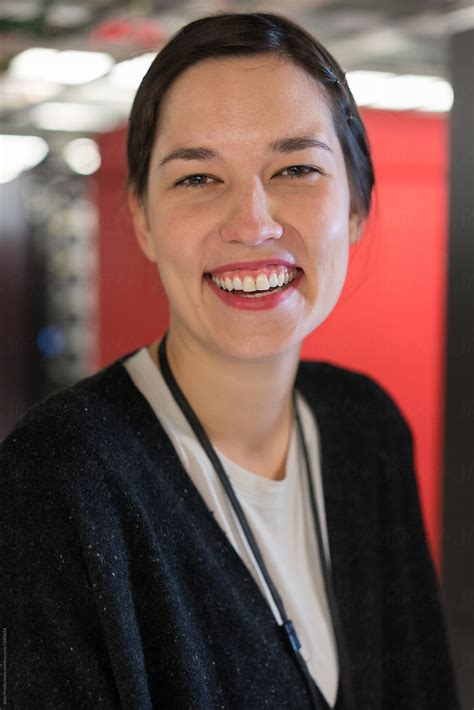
(248, 218)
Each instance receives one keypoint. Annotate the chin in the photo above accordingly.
(260, 346)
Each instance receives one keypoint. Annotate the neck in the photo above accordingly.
(245, 407)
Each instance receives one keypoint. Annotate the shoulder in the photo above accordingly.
(75, 418)
(354, 399)
(67, 453)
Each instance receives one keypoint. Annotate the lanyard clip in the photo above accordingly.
(291, 635)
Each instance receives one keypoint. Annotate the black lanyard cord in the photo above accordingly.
(340, 641)
(203, 439)
(287, 625)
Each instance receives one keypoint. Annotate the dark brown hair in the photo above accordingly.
(248, 34)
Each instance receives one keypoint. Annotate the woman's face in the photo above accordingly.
(247, 203)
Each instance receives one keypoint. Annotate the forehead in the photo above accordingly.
(242, 98)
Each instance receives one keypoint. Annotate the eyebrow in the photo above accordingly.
(281, 145)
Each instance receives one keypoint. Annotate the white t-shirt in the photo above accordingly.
(278, 513)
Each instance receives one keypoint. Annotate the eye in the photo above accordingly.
(301, 170)
(198, 180)
(190, 181)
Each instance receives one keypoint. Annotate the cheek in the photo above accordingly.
(333, 250)
(326, 233)
(326, 230)
(167, 237)
(325, 209)
(177, 250)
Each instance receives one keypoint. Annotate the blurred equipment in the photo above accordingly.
(48, 266)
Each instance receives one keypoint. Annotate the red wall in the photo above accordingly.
(389, 321)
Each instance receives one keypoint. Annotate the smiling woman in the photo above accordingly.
(246, 199)
(210, 521)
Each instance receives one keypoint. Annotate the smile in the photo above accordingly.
(252, 298)
(265, 281)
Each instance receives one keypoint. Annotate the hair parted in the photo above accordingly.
(245, 34)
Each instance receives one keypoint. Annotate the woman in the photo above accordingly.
(210, 522)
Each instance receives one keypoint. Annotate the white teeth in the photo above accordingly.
(273, 280)
(249, 284)
(261, 283)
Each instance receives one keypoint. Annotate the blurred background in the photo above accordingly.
(75, 292)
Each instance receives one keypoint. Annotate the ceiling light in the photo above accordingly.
(128, 74)
(82, 155)
(33, 63)
(412, 92)
(404, 92)
(20, 153)
(441, 97)
(69, 67)
(77, 117)
(73, 67)
(367, 86)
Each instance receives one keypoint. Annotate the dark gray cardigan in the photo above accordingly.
(125, 592)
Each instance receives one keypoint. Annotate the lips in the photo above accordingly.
(260, 301)
(262, 263)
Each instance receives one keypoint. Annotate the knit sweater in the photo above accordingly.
(124, 592)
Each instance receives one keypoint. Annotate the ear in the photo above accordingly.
(141, 225)
(356, 227)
